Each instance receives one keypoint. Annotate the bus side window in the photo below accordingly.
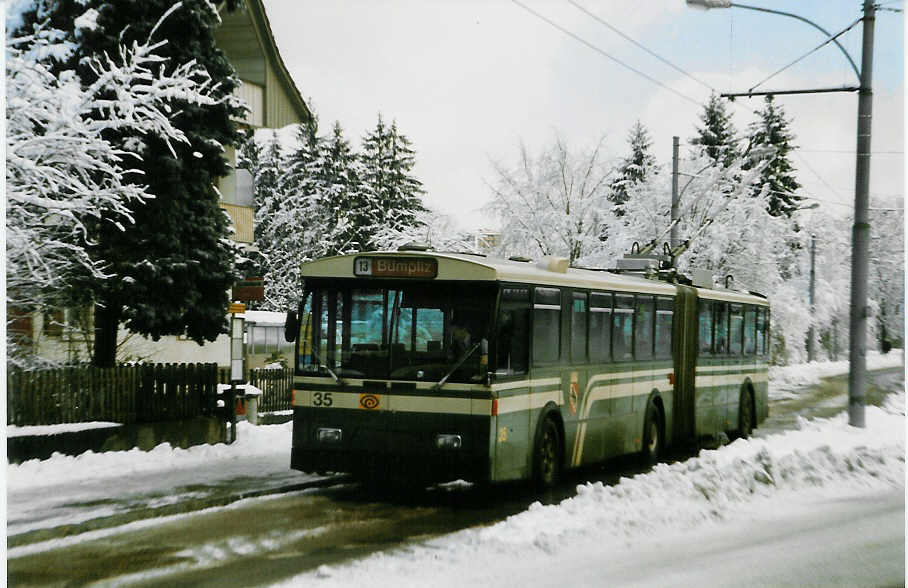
(664, 314)
(547, 325)
(623, 327)
(600, 327)
(706, 327)
(644, 319)
(720, 328)
(513, 331)
(749, 330)
(578, 327)
(766, 324)
(736, 329)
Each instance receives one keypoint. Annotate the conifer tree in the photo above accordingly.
(635, 168)
(172, 269)
(391, 193)
(717, 137)
(771, 142)
(343, 195)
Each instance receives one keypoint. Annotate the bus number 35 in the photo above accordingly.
(322, 399)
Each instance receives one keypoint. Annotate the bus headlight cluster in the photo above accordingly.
(448, 441)
(330, 435)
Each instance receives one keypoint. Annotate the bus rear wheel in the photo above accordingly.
(547, 456)
(652, 434)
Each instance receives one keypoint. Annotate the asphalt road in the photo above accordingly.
(267, 539)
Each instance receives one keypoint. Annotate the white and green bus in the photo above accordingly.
(443, 366)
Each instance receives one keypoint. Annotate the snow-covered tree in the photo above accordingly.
(772, 129)
(391, 192)
(887, 273)
(66, 177)
(179, 242)
(439, 231)
(717, 138)
(635, 168)
(342, 196)
(554, 204)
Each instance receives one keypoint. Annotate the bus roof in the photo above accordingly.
(465, 266)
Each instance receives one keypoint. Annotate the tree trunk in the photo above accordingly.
(107, 322)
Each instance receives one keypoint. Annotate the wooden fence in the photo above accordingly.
(127, 394)
(276, 386)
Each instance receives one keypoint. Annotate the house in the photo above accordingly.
(246, 39)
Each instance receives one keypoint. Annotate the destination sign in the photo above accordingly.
(395, 267)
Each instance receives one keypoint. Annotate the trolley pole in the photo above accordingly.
(811, 334)
(674, 241)
(860, 241)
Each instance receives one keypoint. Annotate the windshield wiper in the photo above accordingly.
(459, 363)
(337, 379)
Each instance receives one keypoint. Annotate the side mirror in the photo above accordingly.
(291, 326)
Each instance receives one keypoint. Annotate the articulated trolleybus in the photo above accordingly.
(443, 366)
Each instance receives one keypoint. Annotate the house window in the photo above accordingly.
(254, 96)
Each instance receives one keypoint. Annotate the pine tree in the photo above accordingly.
(771, 142)
(717, 137)
(178, 244)
(391, 193)
(343, 195)
(635, 168)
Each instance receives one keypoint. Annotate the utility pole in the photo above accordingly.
(811, 335)
(860, 240)
(674, 241)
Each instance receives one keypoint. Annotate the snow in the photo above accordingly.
(247, 389)
(265, 317)
(771, 497)
(14, 431)
(252, 441)
(786, 380)
(748, 483)
(88, 20)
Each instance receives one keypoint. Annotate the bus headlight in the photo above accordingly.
(448, 441)
(329, 435)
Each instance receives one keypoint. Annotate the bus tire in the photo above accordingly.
(547, 455)
(653, 434)
(745, 415)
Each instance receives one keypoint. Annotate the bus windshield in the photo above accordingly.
(398, 331)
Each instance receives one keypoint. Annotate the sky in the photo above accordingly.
(468, 81)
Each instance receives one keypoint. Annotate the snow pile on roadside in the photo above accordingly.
(785, 381)
(252, 441)
(15, 431)
(823, 458)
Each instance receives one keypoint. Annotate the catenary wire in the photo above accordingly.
(601, 52)
(638, 44)
(815, 49)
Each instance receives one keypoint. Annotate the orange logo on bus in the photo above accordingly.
(369, 401)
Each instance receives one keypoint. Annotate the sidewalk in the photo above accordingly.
(67, 495)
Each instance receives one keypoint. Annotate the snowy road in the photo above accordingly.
(261, 541)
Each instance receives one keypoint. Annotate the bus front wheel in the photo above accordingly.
(547, 456)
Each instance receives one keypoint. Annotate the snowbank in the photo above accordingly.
(14, 431)
(822, 459)
(263, 440)
(785, 381)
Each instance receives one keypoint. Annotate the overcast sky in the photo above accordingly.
(468, 80)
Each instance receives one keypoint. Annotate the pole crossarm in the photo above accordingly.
(750, 93)
(815, 49)
(857, 72)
